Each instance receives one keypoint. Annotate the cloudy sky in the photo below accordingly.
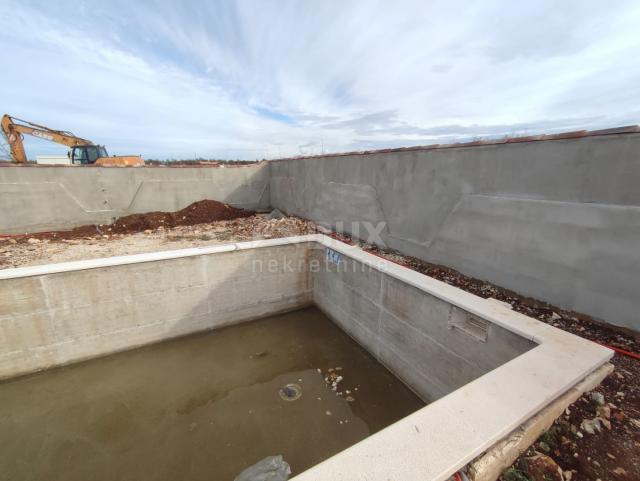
(264, 79)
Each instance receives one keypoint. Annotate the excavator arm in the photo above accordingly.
(13, 129)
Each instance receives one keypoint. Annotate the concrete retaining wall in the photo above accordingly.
(430, 344)
(50, 319)
(556, 220)
(37, 199)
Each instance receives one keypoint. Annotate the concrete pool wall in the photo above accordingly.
(57, 314)
(496, 369)
(432, 345)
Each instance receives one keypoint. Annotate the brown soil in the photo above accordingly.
(204, 211)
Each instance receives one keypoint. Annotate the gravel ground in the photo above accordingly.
(29, 251)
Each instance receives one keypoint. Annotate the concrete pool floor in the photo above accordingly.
(201, 407)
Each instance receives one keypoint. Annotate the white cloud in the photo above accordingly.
(253, 79)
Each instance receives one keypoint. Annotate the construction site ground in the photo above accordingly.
(598, 437)
(155, 231)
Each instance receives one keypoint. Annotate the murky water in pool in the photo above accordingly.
(202, 407)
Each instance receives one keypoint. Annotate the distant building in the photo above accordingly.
(53, 160)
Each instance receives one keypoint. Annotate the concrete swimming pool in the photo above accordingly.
(478, 370)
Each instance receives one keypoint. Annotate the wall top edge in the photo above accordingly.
(573, 135)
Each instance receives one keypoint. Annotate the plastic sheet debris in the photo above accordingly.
(271, 468)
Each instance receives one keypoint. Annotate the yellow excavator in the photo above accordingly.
(82, 152)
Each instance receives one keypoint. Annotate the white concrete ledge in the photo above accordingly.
(503, 454)
(45, 269)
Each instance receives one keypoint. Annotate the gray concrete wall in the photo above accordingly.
(556, 220)
(54, 319)
(433, 346)
(54, 198)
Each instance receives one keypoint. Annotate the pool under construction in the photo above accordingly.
(198, 363)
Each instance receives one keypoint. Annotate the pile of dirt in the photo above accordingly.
(201, 212)
(88, 244)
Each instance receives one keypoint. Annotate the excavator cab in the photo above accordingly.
(87, 154)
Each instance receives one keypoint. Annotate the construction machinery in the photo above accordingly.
(82, 151)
